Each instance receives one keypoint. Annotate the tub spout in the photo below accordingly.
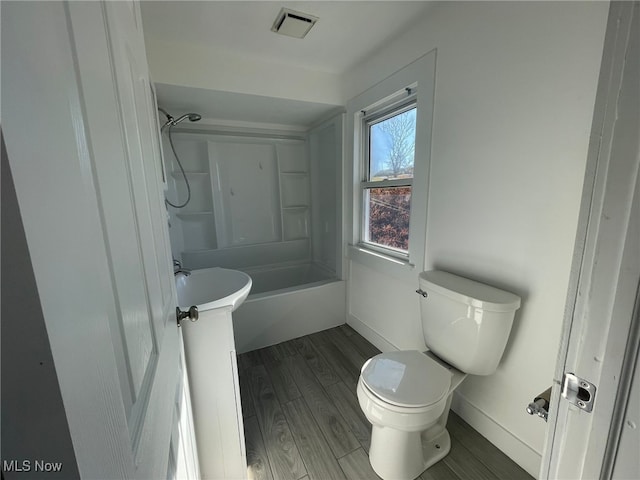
(184, 271)
(177, 269)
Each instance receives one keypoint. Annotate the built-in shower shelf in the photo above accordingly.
(189, 174)
(191, 215)
(296, 207)
(298, 173)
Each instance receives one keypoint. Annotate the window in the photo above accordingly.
(391, 146)
(389, 136)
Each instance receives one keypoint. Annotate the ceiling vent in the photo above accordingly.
(293, 24)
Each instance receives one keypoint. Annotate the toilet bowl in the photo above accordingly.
(406, 395)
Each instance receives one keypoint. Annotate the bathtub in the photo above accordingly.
(273, 280)
(287, 302)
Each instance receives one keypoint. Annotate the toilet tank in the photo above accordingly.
(466, 323)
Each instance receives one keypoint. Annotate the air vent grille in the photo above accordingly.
(293, 24)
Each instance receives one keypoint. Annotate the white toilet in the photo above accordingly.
(406, 395)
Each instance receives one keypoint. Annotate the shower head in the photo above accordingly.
(193, 117)
(172, 122)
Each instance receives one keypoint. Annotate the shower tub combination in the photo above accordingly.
(287, 302)
(268, 205)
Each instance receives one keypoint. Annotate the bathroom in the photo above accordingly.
(503, 185)
(505, 93)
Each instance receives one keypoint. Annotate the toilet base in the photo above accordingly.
(436, 448)
(400, 455)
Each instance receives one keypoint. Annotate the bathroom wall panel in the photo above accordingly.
(245, 190)
(294, 189)
(294, 251)
(187, 231)
(295, 223)
(193, 154)
(325, 152)
(201, 197)
(292, 157)
(252, 199)
(199, 231)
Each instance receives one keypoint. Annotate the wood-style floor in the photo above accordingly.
(302, 419)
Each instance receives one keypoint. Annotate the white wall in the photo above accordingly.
(213, 68)
(514, 96)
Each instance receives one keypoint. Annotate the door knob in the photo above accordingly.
(191, 314)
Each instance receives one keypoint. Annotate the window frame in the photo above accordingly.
(401, 103)
(419, 74)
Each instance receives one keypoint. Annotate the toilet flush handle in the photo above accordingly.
(422, 292)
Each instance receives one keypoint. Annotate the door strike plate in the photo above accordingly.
(578, 391)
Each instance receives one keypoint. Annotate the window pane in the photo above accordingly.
(388, 222)
(392, 147)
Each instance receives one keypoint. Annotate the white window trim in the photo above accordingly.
(419, 74)
(404, 102)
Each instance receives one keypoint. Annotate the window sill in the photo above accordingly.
(386, 264)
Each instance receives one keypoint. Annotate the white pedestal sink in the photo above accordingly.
(212, 369)
(211, 288)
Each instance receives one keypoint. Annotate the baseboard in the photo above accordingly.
(369, 334)
(521, 453)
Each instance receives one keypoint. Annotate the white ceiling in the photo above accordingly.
(346, 32)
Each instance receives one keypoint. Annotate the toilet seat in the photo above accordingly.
(407, 379)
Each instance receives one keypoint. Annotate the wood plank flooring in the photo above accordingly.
(302, 419)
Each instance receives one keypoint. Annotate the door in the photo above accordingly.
(602, 325)
(80, 134)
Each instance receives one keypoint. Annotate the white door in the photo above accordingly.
(602, 325)
(78, 118)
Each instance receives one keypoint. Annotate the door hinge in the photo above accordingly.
(578, 391)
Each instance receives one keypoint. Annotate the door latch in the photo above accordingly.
(578, 391)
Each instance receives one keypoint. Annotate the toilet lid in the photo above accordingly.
(406, 378)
